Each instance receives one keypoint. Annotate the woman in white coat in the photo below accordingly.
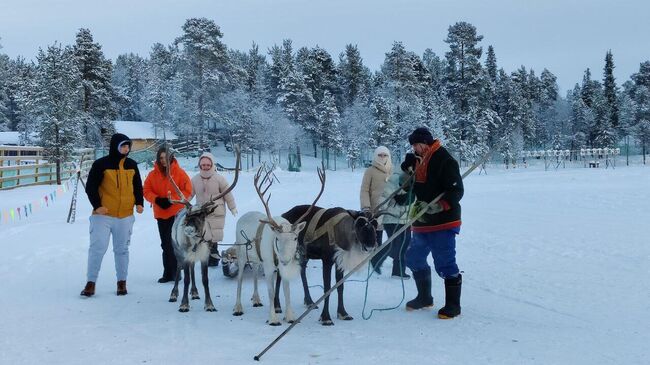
(206, 184)
(372, 188)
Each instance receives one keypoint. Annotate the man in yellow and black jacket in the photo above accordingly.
(114, 187)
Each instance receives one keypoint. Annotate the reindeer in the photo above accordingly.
(339, 237)
(274, 246)
(190, 246)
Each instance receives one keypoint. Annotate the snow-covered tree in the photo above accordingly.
(128, 82)
(329, 130)
(55, 101)
(463, 65)
(159, 89)
(206, 72)
(98, 95)
(353, 76)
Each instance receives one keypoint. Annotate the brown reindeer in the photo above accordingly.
(340, 238)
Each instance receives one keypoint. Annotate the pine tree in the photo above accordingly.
(611, 92)
(23, 90)
(128, 81)
(491, 64)
(54, 102)
(97, 101)
(329, 126)
(5, 71)
(581, 119)
(206, 71)
(640, 93)
(159, 90)
(353, 76)
(357, 127)
(463, 65)
(436, 68)
(282, 64)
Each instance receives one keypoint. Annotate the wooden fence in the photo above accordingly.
(26, 165)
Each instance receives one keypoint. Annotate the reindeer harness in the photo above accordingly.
(312, 233)
(258, 240)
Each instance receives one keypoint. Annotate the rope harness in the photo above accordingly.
(312, 233)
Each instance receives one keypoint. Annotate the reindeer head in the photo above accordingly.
(365, 228)
(194, 220)
(285, 243)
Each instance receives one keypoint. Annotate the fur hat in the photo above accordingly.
(209, 156)
(421, 135)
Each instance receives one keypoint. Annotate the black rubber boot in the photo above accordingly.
(423, 283)
(452, 298)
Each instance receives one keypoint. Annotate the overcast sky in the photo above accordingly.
(565, 36)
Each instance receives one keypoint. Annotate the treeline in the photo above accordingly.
(278, 98)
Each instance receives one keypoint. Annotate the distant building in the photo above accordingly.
(143, 134)
(10, 138)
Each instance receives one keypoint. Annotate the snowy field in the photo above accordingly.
(556, 271)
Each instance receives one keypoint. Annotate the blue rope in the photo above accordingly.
(371, 272)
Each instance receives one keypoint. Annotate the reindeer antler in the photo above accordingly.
(321, 177)
(262, 187)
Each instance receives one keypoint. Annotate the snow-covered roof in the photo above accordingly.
(141, 130)
(11, 138)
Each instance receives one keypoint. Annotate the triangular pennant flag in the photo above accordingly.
(25, 210)
(18, 209)
(30, 208)
(46, 201)
(13, 215)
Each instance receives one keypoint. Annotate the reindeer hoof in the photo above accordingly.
(327, 322)
(345, 317)
(289, 320)
(183, 309)
(275, 324)
(195, 297)
(210, 309)
(172, 299)
(258, 305)
(237, 313)
(278, 310)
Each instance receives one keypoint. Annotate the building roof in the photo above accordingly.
(10, 138)
(141, 130)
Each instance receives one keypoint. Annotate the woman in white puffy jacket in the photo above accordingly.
(372, 188)
(206, 184)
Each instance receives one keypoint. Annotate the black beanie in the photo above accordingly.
(421, 135)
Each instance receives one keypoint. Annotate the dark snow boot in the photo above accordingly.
(423, 283)
(452, 298)
(89, 290)
(121, 287)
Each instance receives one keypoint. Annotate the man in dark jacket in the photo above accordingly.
(436, 172)
(114, 187)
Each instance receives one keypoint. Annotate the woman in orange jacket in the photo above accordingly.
(157, 189)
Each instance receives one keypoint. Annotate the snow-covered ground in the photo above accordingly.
(556, 271)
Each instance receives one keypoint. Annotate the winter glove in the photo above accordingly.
(164, 203)
(409, 162)
(401, 199)
(233, 211)
(431, 209)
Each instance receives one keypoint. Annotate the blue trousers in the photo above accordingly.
(102, 227)
(441, 245)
